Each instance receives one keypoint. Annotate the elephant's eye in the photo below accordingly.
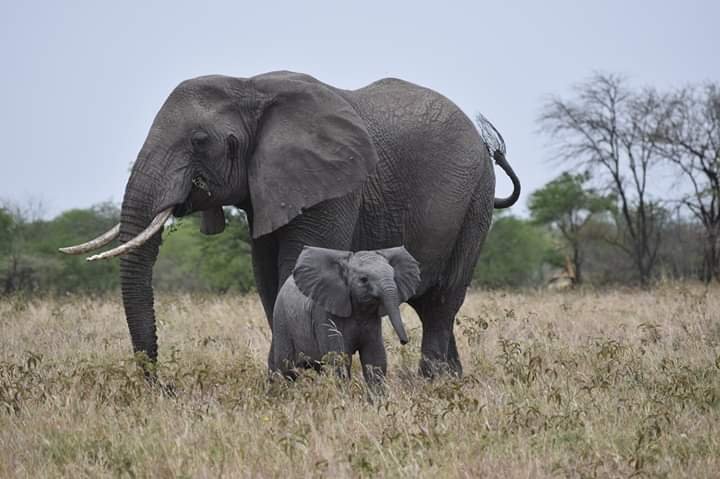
(199, 139)
(363, 279)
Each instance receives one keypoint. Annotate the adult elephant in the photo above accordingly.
(389, 164)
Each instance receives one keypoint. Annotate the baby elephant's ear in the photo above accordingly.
(407, 270)
(321, 274)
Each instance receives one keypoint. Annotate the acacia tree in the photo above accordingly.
(568, 204)
(686, 133)
(602, 130)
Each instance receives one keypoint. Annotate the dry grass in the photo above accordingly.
(578, 384)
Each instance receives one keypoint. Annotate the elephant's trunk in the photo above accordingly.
(137, 265)
(391, 303)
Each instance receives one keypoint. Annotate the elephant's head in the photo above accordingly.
(272, 144)
(343, 282)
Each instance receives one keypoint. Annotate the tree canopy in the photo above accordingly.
(568, 204)
(188, 260)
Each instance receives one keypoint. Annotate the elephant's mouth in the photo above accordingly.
(197, 198)
(183, 209)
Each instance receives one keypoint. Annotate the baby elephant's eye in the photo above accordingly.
(363, 279)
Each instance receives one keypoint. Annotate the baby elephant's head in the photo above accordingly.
(340, 280)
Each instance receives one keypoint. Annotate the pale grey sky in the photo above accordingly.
(82, 81)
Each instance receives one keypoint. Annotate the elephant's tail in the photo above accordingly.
(502, 162)
(495, 144)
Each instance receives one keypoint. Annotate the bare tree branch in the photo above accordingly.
(687, 136)
(604, 129)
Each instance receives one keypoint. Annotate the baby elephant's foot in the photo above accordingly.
(375, 379)
(338, 362)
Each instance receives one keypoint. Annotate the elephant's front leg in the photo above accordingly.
(265, 269)
(331, 340)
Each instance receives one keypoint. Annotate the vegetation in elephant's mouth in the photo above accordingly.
(576, 384)
(200, 183)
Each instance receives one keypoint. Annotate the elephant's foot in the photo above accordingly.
(437, 310)
(166, 389)
(375, 377)
(434, 363)
(433, 368)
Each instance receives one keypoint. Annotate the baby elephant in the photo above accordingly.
(333, 303)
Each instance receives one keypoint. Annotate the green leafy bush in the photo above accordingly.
(514, 254)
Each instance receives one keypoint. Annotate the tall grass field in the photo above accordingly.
(611, 383)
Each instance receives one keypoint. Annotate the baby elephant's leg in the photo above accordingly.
(282, 354)
(374, 362)
(339, 362)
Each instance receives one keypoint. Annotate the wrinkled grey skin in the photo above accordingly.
(388, 164)
(332, 303)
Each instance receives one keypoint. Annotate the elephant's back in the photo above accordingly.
(432, 161)
(404, 114)
(424, 138)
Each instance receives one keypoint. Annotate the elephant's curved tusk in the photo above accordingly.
(92, 245)
(155, 225)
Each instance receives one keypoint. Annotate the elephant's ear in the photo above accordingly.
(311, 146)
(407, 270)
(321, 274)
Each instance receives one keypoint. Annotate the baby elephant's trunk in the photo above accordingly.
(391, 303)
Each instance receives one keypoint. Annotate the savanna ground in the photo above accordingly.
(577, 384)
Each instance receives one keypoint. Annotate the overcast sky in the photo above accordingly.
(82, 81)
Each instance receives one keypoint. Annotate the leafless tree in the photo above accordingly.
(686, 133)
(603, 130)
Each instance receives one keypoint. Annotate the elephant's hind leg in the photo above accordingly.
(438, 306)
(437, 309)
